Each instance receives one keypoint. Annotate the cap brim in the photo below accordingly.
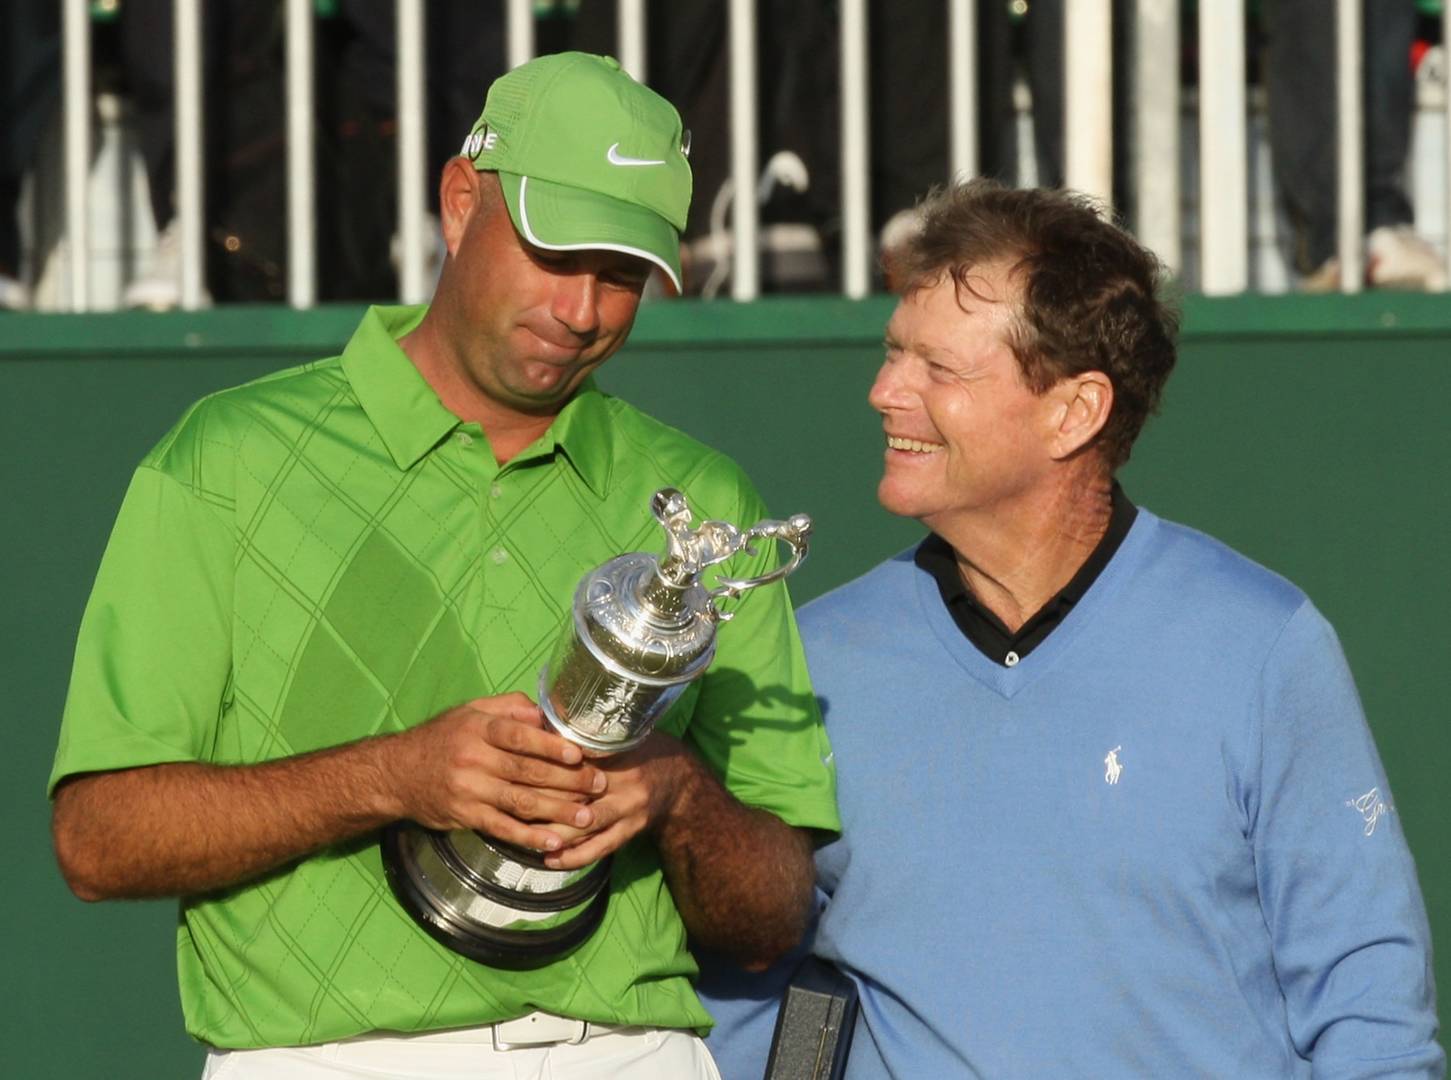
(558, 217)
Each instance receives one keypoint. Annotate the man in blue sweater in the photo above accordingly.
(1110, 806)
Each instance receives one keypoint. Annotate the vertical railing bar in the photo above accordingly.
(1349, 144)
(855, 150)
(1159, 217)
(521, 32)
(1088, 97)
(962, 86)
(1446, 121)
(190, 181)
(77, 142)
(631, 33)
(1223, 169)
(412, 286)
(301, 178)
(745, 225)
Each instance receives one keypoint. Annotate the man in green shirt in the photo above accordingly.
(328, 593)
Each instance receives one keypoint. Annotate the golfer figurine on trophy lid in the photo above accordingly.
(640, 629)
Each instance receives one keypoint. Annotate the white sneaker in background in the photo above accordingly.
(1325, 278)
(13, 295)
(433, 254)
(159, 287)
(1398, 258)
(900, 227)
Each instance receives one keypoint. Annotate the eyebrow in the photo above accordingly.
(934, 353)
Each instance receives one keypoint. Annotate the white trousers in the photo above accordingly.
(469, 1054)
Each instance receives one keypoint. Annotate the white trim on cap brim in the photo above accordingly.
(649, 256)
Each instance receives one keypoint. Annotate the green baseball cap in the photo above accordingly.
(588, 158)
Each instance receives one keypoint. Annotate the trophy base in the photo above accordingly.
(483, 920)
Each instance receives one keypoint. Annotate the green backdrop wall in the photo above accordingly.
(1310, 433)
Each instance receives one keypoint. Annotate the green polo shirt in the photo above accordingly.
(327, 554)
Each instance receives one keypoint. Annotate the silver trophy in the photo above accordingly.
(640, 629)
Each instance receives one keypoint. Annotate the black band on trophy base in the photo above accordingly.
(498, 946)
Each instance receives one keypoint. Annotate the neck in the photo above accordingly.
(1014, 558)
(508, 430)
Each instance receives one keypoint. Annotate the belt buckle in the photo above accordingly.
(538, 1029)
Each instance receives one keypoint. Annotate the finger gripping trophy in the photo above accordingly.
(641, 628)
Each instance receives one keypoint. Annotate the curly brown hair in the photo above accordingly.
(1091, 297)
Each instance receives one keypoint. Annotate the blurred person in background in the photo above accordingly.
(798, 101)
(244, 127)
(244, 152)
(29, 93)
(1300, 77)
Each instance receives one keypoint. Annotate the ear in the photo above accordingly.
(460, 197)
(1083, 404)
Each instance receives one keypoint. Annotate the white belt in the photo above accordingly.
(531, 1030)
(545, 1029)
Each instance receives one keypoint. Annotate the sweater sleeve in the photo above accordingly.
(1336, 880)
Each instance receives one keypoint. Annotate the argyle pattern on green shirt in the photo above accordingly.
(328, 554)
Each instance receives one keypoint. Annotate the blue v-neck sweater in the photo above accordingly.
(1161, 845)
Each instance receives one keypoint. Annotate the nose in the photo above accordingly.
(577, 303)
(889, 389)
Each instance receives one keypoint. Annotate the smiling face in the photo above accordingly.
(527, 325)
(966, 438)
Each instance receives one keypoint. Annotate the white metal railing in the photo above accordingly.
(631, 35)
(962, 86)
(1157, 119)
(745, 249)
(1156, 123)
(77, 72)
(855, 152)
(1088, 98)
(190, 191)
(1349, 144)
(301, 178)
(413, 283)
(1223, 171)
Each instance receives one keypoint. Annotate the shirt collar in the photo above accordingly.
(411, 420)
(398, 400)
(585, 432)
(983, 628)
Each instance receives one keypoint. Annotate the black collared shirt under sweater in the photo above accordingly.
(984, 629)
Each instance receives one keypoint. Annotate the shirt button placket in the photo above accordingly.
(499, 555)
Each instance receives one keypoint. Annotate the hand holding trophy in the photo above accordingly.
(641, 629)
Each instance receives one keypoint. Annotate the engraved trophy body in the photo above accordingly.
(640, 629)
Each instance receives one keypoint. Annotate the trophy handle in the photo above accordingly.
(794, 532)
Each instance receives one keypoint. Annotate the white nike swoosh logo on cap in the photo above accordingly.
(614, 157)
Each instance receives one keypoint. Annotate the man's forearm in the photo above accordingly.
(178, 829)
(741, 877)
